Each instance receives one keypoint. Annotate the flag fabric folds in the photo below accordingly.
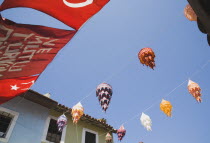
(10, 88)
(74, 13)
(26, 50)
(202, 10)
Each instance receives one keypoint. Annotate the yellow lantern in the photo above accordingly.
(77, 112)
(189, 13)
(166, 107)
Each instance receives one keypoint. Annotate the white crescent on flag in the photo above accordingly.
(13, 87)
(78, 5)
(31, 82)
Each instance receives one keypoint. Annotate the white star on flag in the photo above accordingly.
(14, 87)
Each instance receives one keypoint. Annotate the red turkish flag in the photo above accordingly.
(71, 12)
(26, 50)
(10, 88)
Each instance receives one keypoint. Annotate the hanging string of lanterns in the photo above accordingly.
(104, 94)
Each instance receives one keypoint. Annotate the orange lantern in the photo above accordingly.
(77, 112)
(147, 57)
(166, 107)
(195, 90)
(189, 13)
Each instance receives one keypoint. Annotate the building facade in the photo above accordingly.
(32, 117)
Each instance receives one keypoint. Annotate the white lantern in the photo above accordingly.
(146, 121)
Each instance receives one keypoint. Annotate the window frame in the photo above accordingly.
(46, 127)
(91, 131)
(12, 124)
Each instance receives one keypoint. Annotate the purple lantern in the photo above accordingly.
(104, 94)
(61, 122)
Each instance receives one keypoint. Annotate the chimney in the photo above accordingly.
(47, 95)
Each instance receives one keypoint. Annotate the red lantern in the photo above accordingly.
(121, 132)
(194, 90)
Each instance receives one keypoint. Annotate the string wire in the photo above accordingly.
(157, 101)
(106, 80)
(114, 74)
(194, 74)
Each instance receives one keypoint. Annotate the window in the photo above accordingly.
(7, 121)
(89, 136)
(51, 133)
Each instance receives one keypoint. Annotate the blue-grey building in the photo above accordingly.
(32, 117)
(22, 119)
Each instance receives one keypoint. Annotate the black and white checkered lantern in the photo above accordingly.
(104, 94)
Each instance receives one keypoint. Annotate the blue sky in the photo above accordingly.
(106, 49)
